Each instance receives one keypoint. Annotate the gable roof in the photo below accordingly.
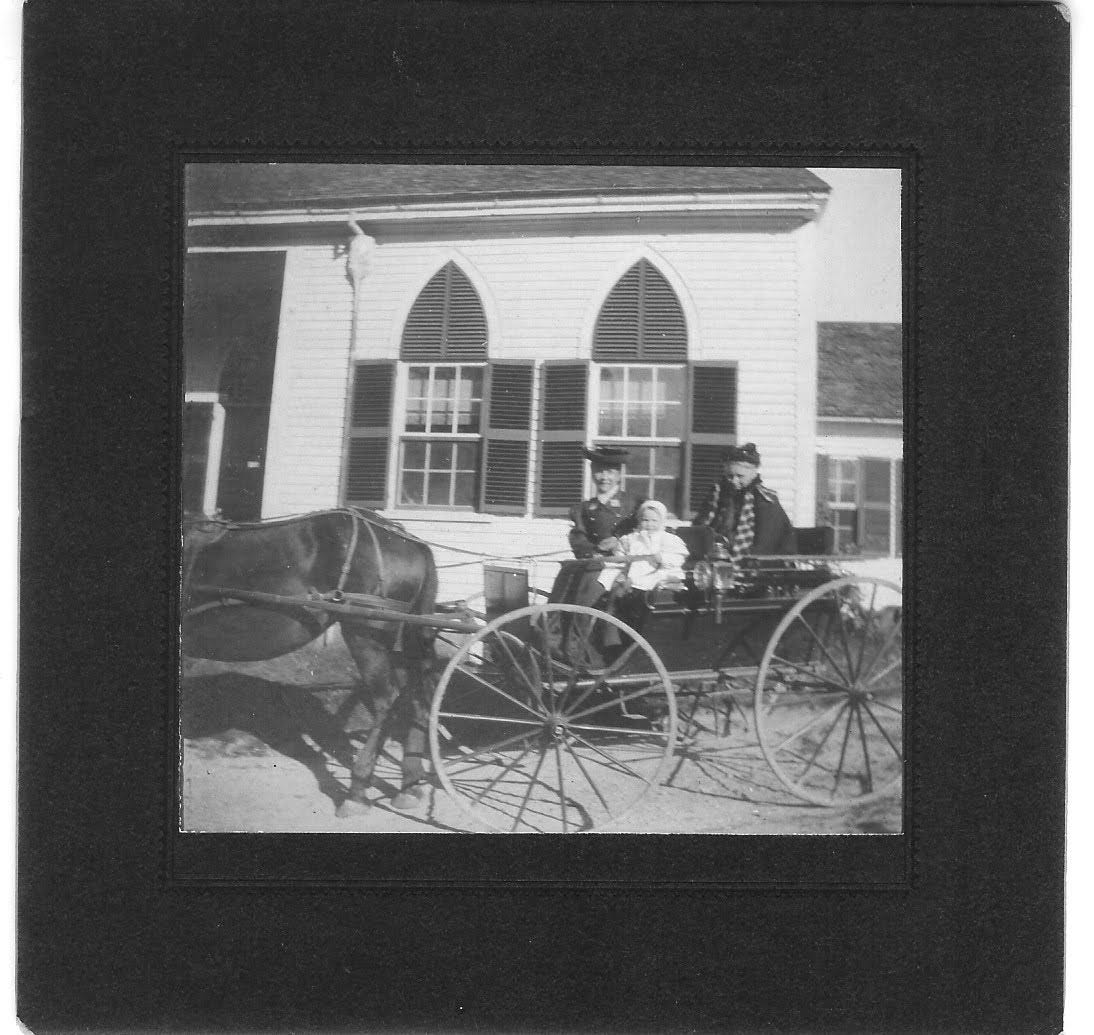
(219, 187)
(860, 370)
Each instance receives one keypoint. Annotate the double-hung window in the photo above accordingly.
(860, 498)
(641, 407)
(441, 438)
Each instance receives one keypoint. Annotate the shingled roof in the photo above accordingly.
(223, 187)
(859, 371)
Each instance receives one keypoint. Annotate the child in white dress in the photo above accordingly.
(649, 556)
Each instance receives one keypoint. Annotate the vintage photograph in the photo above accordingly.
(542, 499)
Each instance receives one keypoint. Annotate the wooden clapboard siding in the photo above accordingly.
(740, 293)
(305, 461)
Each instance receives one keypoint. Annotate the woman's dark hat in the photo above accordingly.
(745, 454)
(607, 456)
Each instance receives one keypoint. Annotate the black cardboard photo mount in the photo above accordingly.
(972, 937)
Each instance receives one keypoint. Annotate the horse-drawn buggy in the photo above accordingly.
(555, 716)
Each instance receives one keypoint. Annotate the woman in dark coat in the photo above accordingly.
(744, 511)
(599, 521)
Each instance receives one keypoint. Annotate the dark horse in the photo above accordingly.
(333, 555)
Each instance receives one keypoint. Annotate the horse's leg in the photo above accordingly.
(380, 688)
(415, 707)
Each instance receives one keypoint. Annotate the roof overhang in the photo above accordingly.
(786, 209)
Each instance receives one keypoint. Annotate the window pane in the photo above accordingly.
(417, 382)
(444, 398)
(845, 481)
(439, 488)
(845, 523)
(876, 533)
(412, 489)
(610, 418)
(440, 456)
(639, 403)
(464, 495)
(611, 383)
(667, 490)
(668, 405)
(470, 400)
(667, 461)
(467, 456)
(414, 456)
(416, 412)
(876, 481)
(638, 463)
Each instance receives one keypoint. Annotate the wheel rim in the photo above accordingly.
(829, 694)
(533, 731)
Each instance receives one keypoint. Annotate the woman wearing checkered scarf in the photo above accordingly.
(744, 511)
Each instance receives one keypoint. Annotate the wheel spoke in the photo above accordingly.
(615, 729)
(479, 717)
(594, 685)
(824, 650)
(588, 779)
(865, 751)
(469, 756)
(621, 699)
(611, 758)
(562, 787)
(865, 632)
(843, 638)
(880, 654)
(520, 669)
(820, 746)
(528, 790)
(887, 706)
(884, 733)
(842, 753)
(498, 690)
(545, 652)
(809, 725)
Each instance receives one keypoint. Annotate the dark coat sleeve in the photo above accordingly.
(774, 532)
(704, 515)
(629, 523)
(580, 542)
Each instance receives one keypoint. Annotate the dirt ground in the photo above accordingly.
(263, 752)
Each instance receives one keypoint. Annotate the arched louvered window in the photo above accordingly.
(447, 321)
(641, 320)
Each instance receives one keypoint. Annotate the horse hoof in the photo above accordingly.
(350, 808)
(409, 799)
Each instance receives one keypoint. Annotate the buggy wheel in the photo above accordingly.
(829, 694)
(552, 719)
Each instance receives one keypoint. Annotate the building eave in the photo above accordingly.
(797, 206)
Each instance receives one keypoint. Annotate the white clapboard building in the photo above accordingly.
(439, 343)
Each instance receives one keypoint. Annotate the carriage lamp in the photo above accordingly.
(702, 575)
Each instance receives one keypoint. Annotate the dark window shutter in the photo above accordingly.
(822, 515)
(446, 322)
(874, 505)
(367, 446)
(562, 437)
(712, 427)
(507, 440)
(641, 320)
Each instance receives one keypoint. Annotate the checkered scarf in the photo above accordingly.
(745, 531)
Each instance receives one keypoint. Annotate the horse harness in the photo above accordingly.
(213, 530)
